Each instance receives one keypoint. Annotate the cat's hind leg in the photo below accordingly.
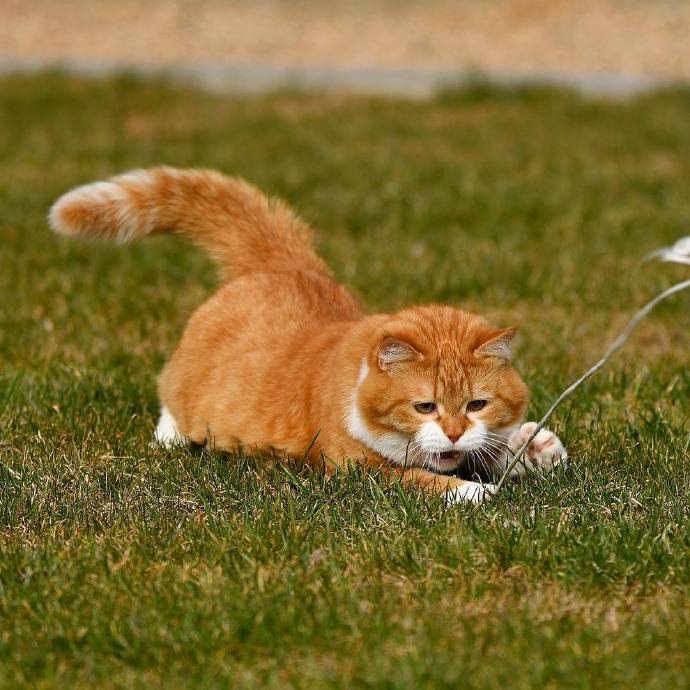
(167, 434)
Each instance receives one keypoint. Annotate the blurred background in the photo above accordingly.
(403, 46)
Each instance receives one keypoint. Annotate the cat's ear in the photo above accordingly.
(393, 351)
(497, 344)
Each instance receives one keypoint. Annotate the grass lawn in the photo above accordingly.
(127, 567)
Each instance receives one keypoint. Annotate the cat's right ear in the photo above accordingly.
(497, 344)
(393, 352)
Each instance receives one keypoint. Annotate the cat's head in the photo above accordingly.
(436, 387)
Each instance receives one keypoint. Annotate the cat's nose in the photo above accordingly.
(453, 437)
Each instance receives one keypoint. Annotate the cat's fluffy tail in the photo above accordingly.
(238, 225)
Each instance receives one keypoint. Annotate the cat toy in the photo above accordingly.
(679, 253)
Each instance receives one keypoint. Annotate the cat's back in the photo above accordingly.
(261, 310)
(293, 299)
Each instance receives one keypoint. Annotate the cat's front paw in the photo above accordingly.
(544, 453)
(469, 492)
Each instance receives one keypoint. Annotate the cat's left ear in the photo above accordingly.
(497, 344)
(393, 351)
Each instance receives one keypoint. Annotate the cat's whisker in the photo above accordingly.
(427, 458)
(490, 450)
(481, 455)
(496, 441)
(482, 462)
(496, 437)
(491, 443)
(497, 453)
(411, 451)
(503, 435)
(496, 450)
(409, 454)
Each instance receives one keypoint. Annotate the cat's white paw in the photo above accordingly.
(472, 492)
(544, 453)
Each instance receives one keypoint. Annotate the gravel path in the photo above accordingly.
(627, 41)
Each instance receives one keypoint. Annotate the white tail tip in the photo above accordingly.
(103, 210)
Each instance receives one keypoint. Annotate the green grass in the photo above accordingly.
(127, 567)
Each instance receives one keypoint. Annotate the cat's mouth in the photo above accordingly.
(448, 461)
(449, 454)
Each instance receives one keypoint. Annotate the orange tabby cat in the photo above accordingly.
(282, 359)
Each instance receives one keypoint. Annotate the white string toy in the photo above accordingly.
(679, 253)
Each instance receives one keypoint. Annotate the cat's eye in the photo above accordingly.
(476, 405)
(425, 407)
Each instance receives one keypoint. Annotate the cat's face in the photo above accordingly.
(437, 387)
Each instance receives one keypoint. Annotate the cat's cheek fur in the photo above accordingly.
(390, 445)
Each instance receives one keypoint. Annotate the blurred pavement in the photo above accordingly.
(610, 42)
